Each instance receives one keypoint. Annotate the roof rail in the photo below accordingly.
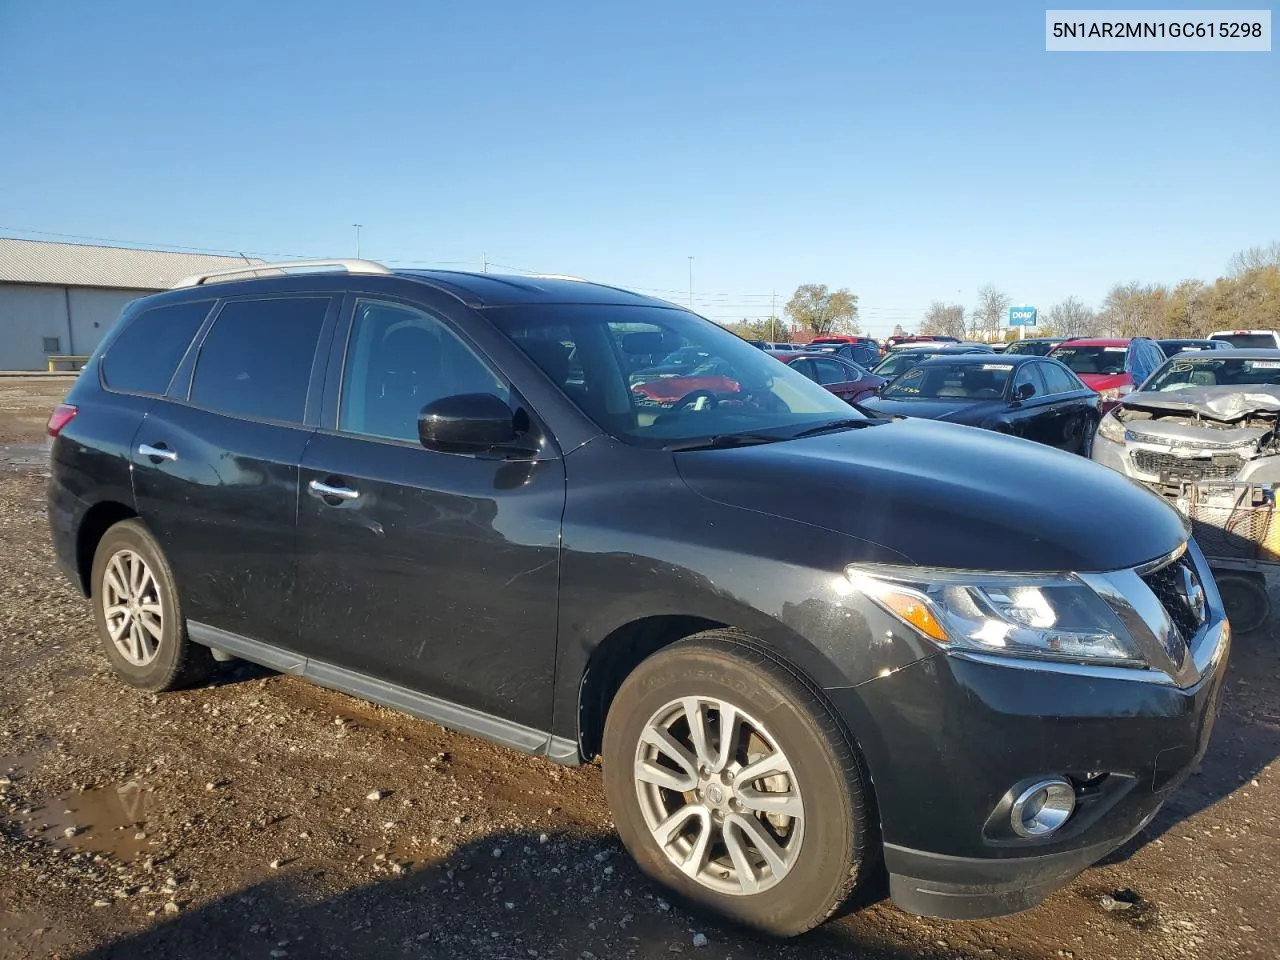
(351, 266)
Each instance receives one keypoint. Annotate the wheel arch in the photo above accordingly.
(97, 520)
(613, 660)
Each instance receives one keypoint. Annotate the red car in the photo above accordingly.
(708, 378)
(1113, 367)
(844, 378)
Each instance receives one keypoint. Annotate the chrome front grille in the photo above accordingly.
(1221, 466)
(1175, 586)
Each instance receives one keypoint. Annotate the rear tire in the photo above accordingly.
(784, 803)
(139, 616)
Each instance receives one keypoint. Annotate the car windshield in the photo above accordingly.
(1178, 346)
(1183, 373)
(1036, 348)
(604, 359)
(1248, 341)
(951, 381)
(900, 360)
(1104, 360)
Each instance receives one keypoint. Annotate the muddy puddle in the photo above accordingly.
(109, 820)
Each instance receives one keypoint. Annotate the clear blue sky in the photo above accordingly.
(910, 152)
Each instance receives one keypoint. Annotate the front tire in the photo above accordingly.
(139, 616)
(732, 782)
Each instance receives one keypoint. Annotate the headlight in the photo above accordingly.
(1111, 429)
(1115, 393)
(1038, 616)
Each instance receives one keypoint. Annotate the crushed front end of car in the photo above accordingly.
(1194, 435)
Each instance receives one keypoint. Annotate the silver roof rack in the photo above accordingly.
(280, 269)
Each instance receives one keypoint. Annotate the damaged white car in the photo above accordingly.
(1205, 417)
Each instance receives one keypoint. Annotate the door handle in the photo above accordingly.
(323, 490)
(157, 453)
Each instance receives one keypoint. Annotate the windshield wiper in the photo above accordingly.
(837, 425)
(722, 442)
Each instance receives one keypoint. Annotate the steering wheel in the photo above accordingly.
(704, 400)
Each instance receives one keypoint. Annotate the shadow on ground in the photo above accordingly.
(534, 899)
(1246, 736)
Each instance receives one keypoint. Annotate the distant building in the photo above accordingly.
(58, 299)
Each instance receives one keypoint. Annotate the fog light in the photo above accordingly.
(1043, 808)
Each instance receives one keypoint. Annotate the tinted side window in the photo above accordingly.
(256, 361)
(805, 367)
(400, 359)
(1058, 379)
(831, 371)
(147, 352)
(1030, 373)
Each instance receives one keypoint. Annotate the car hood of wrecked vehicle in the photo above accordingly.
(1218, 403)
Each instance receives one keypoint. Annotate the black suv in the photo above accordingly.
(805, 642)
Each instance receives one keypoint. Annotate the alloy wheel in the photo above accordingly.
(719, 796)
(132, 608)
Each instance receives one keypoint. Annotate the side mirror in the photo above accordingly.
(466, 423)
(1025, 391)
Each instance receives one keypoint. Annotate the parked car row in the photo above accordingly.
(808, 643)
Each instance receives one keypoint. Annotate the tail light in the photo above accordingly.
(62, 414)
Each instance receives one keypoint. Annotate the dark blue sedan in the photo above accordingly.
(1027, 396)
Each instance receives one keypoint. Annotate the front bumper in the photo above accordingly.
(949, 739)
(1234, 464)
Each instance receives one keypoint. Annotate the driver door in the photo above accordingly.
(433, 571)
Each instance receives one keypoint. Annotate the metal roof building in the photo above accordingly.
(58, 299)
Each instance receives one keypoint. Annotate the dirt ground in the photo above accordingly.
(264, 817)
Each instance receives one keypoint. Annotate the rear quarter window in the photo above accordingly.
(143, 358)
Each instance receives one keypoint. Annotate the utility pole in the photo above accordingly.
(773, 315)
(484, 263)
(691, 283)
(357, 226)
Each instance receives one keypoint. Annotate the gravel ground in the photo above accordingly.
(264, 817)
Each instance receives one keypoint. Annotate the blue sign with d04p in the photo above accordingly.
(1022, 316)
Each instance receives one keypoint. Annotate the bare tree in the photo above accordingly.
(1071, 318)
(992, 309)
(815, 308)
(1255, 258)
(1122, 309)
(944, 318)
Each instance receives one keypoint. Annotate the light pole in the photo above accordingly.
(691, 283)
(357, 226)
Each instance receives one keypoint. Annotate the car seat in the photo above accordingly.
(403, 367)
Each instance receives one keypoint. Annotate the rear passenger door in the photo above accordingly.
(216, 463)
(1073, 403)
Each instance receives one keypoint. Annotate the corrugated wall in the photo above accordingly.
(76, 317)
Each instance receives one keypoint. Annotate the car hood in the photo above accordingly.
(948, 496)
(953, 411)
(1218, 403)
